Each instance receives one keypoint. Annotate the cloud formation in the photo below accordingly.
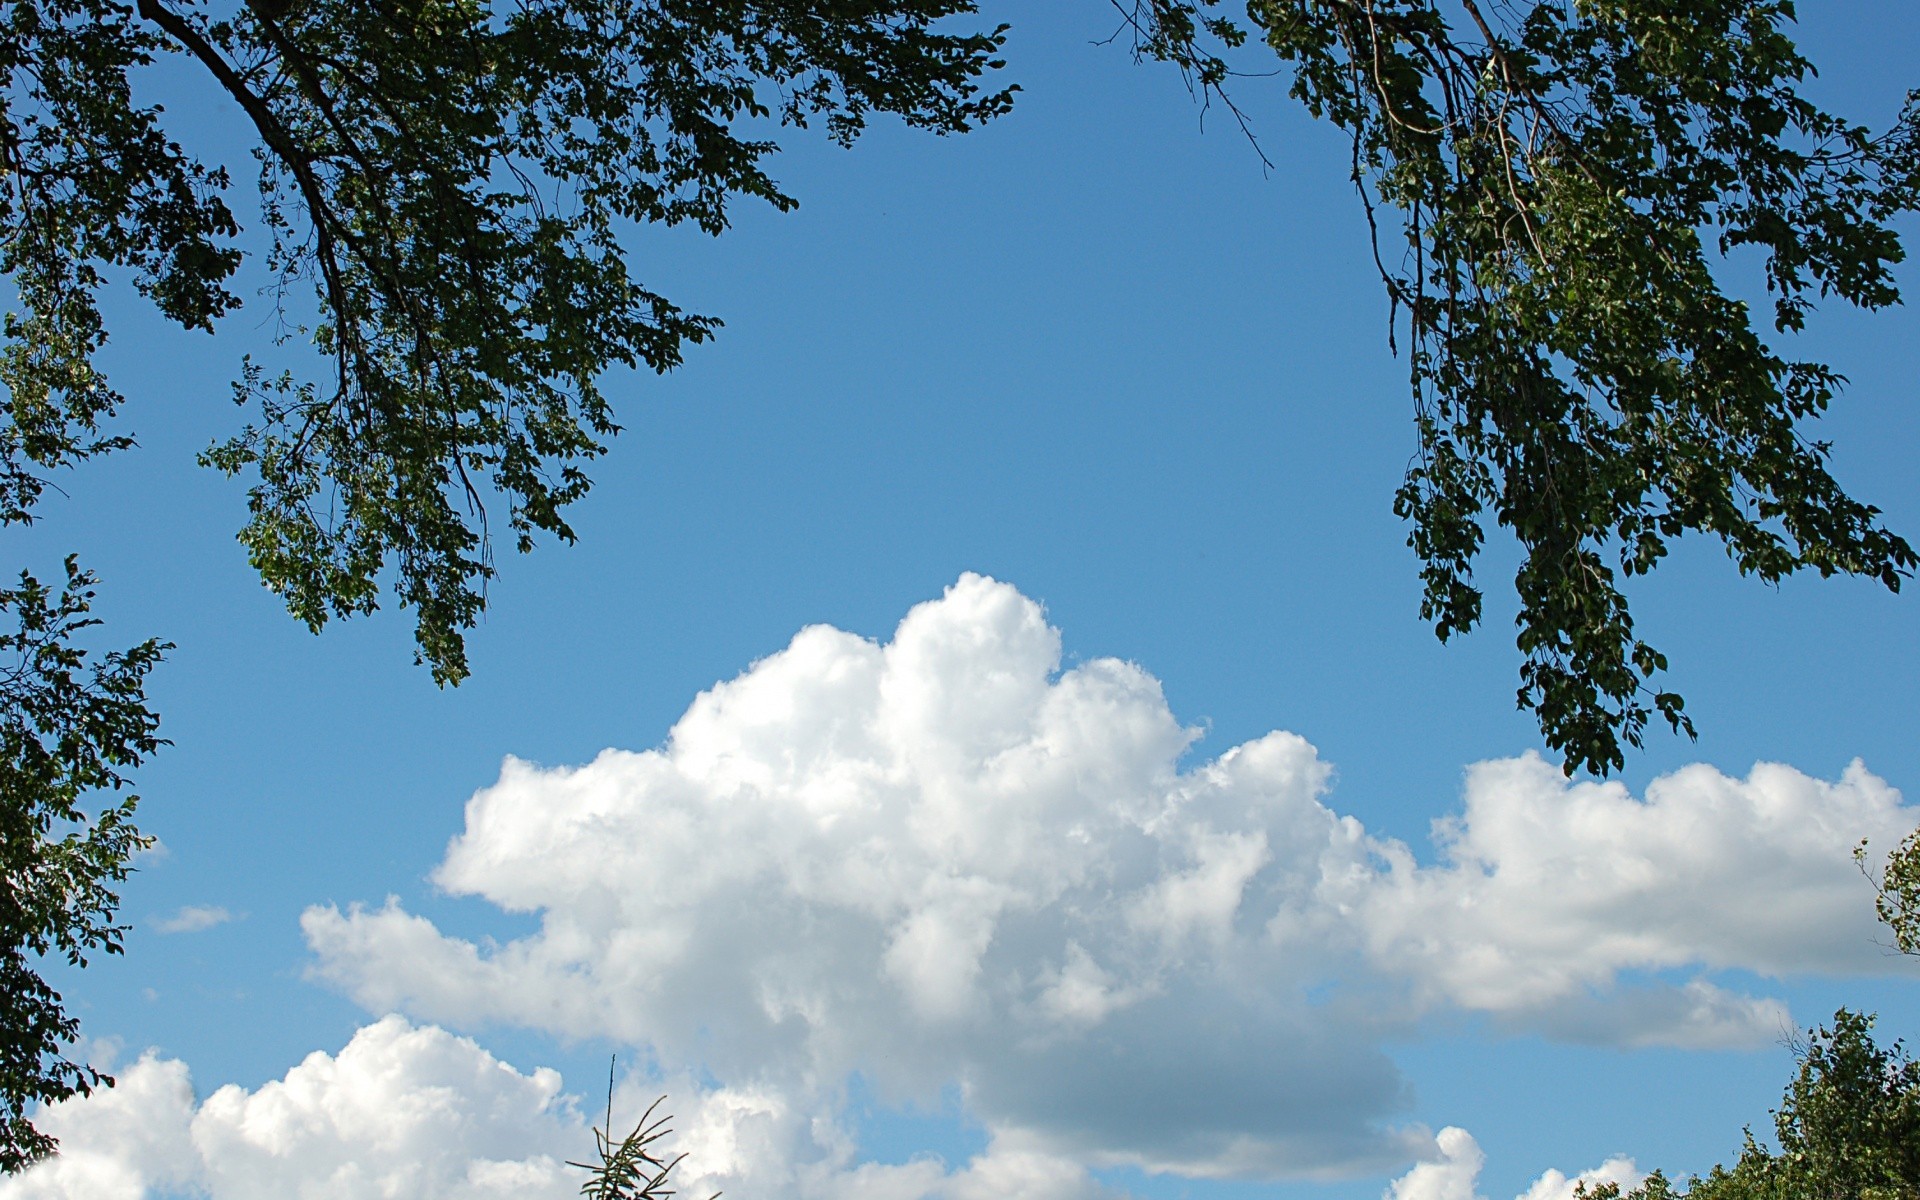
(942, 860)
(401, 1111)
(1547, 890)
(118, 1143)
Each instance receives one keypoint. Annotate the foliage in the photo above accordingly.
(69, 731)
(632, 1168)
(1848, 1129)
(1896, 899)
(1568, 178)
(452, 179)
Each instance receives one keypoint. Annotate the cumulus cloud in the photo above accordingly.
(1455, 1174)
(1549, 888)
(420, 1113)
(401, 1111)
(1451, 1176)
(193, 918)
(943, 860)
(120, 1141)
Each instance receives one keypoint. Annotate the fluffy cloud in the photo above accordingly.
(402, 1111)
(120, 1141)
(942, 860)
(1455, 1174)
(417, 1112)
(1548, 889)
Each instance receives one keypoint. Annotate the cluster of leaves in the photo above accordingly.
(452, 178)
(70, 730)
(1848, 1129)
(1567, 177)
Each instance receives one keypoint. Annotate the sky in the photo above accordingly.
(984, 742)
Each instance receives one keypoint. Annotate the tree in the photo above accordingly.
(451, 179)
(1848, 1129)
(1569, 179)
(69, 732)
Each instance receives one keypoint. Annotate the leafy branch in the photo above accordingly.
(1566, 178)
(1896, 891)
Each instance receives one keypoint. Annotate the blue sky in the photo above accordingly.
(1093, 352)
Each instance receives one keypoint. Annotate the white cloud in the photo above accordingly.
(943, 861)
(118, 1142)
(1455, 1174)
(417, 1112)
(1550, 888)
(193, 918)
(401, 1111)
(1552, 1185)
